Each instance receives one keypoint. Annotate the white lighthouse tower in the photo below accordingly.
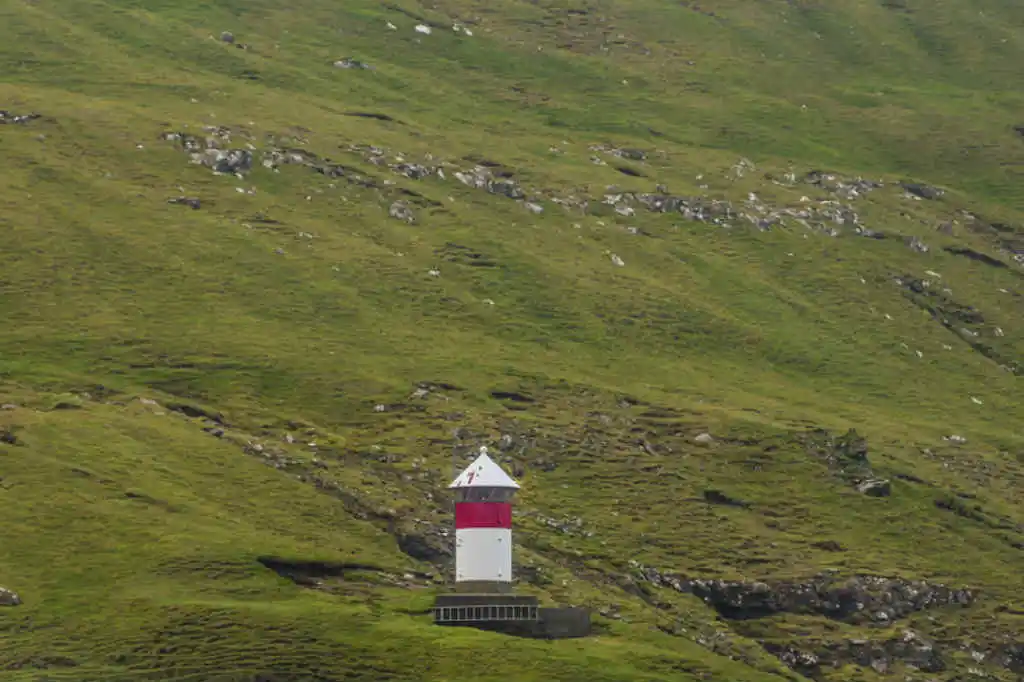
(483, 526)
(483, 595)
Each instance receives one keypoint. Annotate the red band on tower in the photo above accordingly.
(483, 515)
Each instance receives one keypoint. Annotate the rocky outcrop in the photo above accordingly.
(401, 211)
(843, 187)
(875, 487)
(1010, 656)
(917, 189)
(432, 546)
(910, 649)
(1006, 237)
(7, 435)
(349, 63)
(965, 321)
(9, 117)
(191, 202)
(828, 216)
(860, 599)
(9, 598)
(228, 161)
(847, 455)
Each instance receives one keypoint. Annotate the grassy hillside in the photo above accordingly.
(583, 235)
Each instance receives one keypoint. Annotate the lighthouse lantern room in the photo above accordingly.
(483, 526)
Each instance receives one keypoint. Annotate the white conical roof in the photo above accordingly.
(483, 473)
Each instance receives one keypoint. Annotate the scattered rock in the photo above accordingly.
(861, 599)
(834, 183)
(875, 488)
(567, 525)
(349, 63)
(848, 453)
(718, 497)
(482, 177)
(1010, 656)
(793, 658)
(229, 161)
(916, 244)
(400, 211)
(704, 438)
(10, 117)
(8, 436)
(742, 167)
(191, 202)
(9, 598)
(824, 216)
(910, 649)
(923, 191)
(956, 317)
(631, 154)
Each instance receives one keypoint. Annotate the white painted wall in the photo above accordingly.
(483, 554)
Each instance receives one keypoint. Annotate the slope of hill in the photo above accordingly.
(261, 291)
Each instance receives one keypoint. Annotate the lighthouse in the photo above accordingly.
(483, 596)
(483, 526)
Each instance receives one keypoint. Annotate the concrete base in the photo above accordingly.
(482, 587)
(512, 615)
(563, 623)
(470, 609)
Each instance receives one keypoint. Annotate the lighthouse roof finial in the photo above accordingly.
(483, 473)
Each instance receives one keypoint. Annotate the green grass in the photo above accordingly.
(133, 536)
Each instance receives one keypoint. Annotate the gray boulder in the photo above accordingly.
(8, 598)
(921, 190)
(228, 161)
(400, 211)
(349, 63)
(875, 488)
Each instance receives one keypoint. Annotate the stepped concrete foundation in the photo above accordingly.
(510, 614)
